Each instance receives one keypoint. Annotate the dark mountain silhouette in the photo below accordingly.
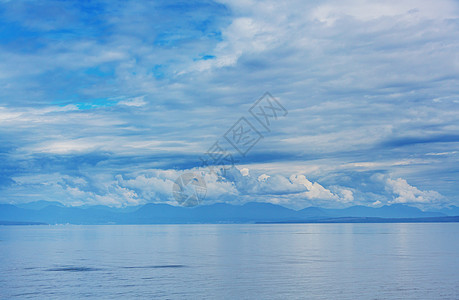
(254, 212)
(39, 204)
(392, 211)
(450, 211)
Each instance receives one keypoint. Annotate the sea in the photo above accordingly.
(230, 261)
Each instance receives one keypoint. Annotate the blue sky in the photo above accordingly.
(107, 102)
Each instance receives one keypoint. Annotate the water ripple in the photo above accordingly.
(155, 267)
(73, 269)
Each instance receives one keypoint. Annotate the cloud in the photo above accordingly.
(364, 10)
(296, 188)
(317, 191)
(107, 89)
(137, 102)
(406, 193)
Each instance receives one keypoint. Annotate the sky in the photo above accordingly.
(108, 102)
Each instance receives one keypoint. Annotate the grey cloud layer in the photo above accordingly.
(371, 88)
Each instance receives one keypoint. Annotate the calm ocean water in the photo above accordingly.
(284, 261)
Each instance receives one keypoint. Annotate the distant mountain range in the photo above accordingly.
(44, 212)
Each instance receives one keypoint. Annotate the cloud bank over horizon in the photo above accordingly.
(107, 102)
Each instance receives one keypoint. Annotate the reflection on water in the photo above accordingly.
(264, 261)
